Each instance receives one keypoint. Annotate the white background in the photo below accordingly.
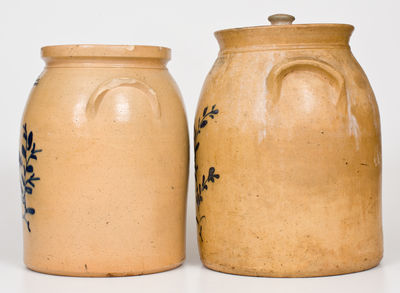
(187, 27)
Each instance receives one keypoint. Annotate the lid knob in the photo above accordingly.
(281, 19)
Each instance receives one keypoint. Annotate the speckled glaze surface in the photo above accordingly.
(288, 155)
(104, 163)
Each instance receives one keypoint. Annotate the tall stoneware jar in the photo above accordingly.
(104, 163)
(288, 154)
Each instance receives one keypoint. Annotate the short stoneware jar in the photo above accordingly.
(288, 154)
(104, 163)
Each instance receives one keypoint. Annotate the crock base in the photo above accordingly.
(102, 274)
(222, 268)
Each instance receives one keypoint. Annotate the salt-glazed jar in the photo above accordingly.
(104, 163)
(288, 154)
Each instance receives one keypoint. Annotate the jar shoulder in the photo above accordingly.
(75, 96)
(254, 85)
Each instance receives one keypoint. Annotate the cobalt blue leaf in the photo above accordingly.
(29, 168)
(36, 151)
(215, 111)
(30, 211)
(28, 190)
(203, 124)
(23, 151)
(30, 139)
(33, 157)
(30, 182)
(205, 111)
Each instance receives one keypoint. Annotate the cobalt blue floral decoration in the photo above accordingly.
(212, 176)
(28, 154)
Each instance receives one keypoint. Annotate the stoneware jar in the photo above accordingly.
(288, 154)
(104, 163)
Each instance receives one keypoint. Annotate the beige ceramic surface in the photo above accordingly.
(113, 165)
(290, 153)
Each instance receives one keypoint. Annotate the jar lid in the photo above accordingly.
(281, 32)
(116, 51)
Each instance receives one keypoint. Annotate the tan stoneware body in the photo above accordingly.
(288, 162)
(105, 134)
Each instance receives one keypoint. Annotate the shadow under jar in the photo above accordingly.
(288, 154)
(104, 163)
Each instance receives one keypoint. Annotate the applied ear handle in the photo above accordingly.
(279, 71)
(96, 98)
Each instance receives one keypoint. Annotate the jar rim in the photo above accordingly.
(293, 26)
(325, 34)
(97, 50)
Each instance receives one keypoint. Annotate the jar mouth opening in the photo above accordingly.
(106, 51)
